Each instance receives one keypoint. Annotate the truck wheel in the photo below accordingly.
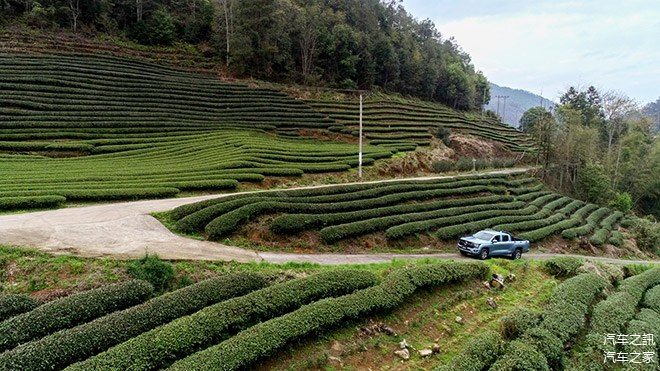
(483, 254)
(516, 254)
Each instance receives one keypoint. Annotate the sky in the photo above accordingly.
(549, 45)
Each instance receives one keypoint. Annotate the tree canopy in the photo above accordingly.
(349, 44)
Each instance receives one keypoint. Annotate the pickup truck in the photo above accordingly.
(492, 243)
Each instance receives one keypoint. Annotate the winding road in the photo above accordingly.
(127, 231)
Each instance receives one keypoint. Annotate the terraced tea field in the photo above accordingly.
(224, 323)
(270, 317)
(112, 128)
(442, 209)
(388, 120)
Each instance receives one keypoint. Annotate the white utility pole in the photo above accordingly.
(360, 153)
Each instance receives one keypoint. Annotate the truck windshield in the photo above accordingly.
(484, 236)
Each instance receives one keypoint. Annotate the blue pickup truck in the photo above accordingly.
(492, 243)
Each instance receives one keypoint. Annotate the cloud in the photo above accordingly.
(554, 44)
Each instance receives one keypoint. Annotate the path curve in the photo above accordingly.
(127, 231)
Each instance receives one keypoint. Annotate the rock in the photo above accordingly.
(495, 282)
(497, 276)
(403, 354)
(425, 352)
(337, 346)
(511, 277)
(388, 330)
(403, 344)
(336, 359)
(436, 348)
(491, 302)
(486, 284)
(459, 319)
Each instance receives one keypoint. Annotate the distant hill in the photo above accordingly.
(517, 103)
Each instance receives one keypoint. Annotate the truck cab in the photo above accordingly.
(492, 243)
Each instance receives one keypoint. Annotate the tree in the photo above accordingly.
(587, 102)
(227, 9)
(615, 106)
(531, 117)
(74, 6)
(595, 184)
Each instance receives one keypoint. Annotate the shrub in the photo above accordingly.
(599, 237)
(622, 202)
(478, 354)
(464, 164)
(163, 345)
(264, 338)
(72, 345)
(652, 299)
(616, 238)
(13, 304)
(565, 314)
(548, 344)
(31, 202)
(443, 134)
(647, 235)
(520, 356)
(517, 322)
(442, 166)
(153, 270)
(70, 311)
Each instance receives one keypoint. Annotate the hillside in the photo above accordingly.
(151, 314)
(406, 215)
(517, 103)
(80, 127)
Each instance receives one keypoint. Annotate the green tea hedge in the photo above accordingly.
(71, 310)
(14, 304)
(264, 338)
(163, 345)
(78, 343)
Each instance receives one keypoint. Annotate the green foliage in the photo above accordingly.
(531, 117)
(652, 299)
(153, 270)
(521, 356)
(163, 345)
(442, 166)
(264, 338)
(479, 353)
(443, 134)
(565, 314)
(33, 202)
(594, 183)
(14, 304)
(70, 311)
(547, 343)
(622, 202)
(514, 324)
(464, 164)
(616, 238)
(563, 266)
(647, 235)
(599, 237)
(63, 348)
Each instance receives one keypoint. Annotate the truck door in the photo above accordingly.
(506, 246)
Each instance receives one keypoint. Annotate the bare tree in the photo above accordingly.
(228, 12)
(74, 6)
(138, 9)
(616, 106)
(309, 19)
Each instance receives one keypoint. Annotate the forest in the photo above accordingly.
(600, 146)
(342, 44)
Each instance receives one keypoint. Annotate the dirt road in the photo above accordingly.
(126, 230)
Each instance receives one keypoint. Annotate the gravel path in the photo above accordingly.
(126, 230)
